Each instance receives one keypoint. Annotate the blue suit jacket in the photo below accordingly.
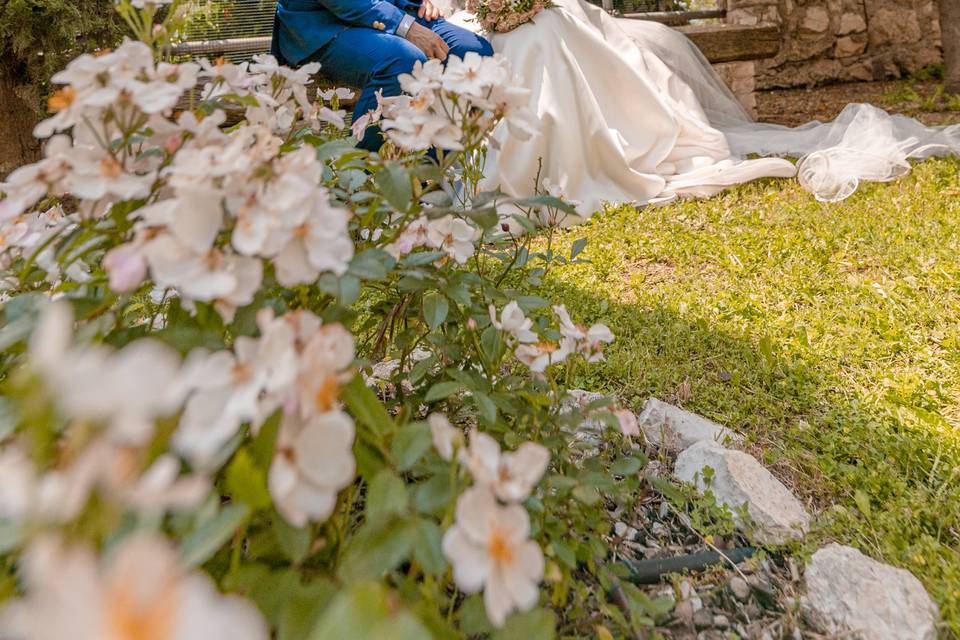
(303, 27)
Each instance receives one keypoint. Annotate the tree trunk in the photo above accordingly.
(17, 119)
(950, 36)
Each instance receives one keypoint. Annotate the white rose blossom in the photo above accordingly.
(139, 592)
(489, 549)
(454, 236)
(446, 438)
(511, 476)
(312, 463)
(125, 390)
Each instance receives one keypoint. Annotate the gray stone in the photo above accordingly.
(674, 429)
(738, 479)
(739, 588)
(849, 594)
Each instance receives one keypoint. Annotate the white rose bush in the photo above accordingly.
(197, 281)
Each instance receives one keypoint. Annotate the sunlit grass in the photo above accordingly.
(829, 335)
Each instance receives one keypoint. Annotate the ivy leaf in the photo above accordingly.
(435, 309)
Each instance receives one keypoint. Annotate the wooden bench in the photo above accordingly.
(720, 43)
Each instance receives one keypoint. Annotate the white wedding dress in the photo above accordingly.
(632, 112)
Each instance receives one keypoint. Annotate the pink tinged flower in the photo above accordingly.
(511, 476)
(628, 423)
(140, 592)
(125, 267)
(446, 437)
(489, 549)
(538, 357)
(313, 462)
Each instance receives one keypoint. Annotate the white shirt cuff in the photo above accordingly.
(404, 27)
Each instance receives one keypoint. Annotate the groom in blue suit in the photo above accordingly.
(368, 43)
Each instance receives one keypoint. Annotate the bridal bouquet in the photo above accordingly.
(506, 15)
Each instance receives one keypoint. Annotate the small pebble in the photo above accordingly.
(702, 619)
(683, 612)
(721, 622)
(740, 588)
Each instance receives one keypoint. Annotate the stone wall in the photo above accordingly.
(843, 40)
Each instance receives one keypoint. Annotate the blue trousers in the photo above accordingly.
(373, 60)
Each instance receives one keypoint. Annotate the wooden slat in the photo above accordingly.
(731, 43)
(677, 18)
(214, 48)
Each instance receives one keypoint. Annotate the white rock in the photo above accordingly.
(851, 595)
(675, 429)
(739, 479)
(591, 429)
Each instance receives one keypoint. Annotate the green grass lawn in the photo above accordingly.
(828, 334)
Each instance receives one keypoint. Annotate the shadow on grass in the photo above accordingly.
(878, 473)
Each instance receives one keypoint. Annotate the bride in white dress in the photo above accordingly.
(632, 112)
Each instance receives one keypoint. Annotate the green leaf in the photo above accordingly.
(396, 185)
(374, 551)
(367, 611)
(386, 496)
(372, 264)
(862, 501)
(626, 466)
(435, 309)
(265, 441)
(473, 617)
(442, 390)
(428, 550)
(294, 542)
(206, 540)
(409, 445)
(488, 410)
(246, 482)
(353, 613)
(303, 609)
(349, 286)
(433, 495)
(538, 624)
(366, 407)
(565, 554)
(578, 245)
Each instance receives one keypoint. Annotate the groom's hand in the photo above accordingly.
(427, 41)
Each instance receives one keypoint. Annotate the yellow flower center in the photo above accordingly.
(499, 548)
(327, 394)
(131, 620)
(242, 373)
(110, 168)
(61, 99)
